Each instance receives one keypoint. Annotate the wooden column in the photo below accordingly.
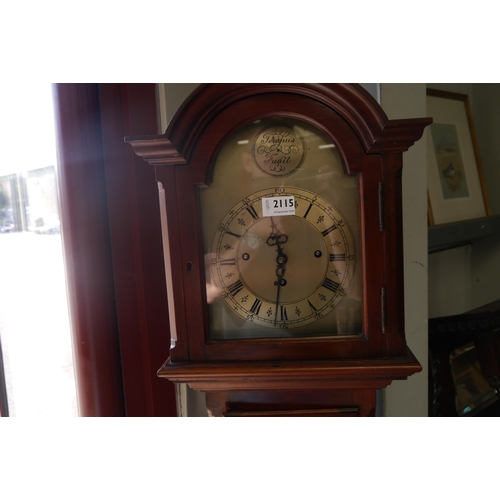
(85, 234)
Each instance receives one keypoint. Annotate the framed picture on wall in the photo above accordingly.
(456, 186)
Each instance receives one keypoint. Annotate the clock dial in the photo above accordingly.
(288, 267)
(283, 271)
(278, 149)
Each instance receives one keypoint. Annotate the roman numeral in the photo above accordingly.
(256, 306)
(331, 285)
(253, 212)
(283, 314)
(336, 257)
(235, 288)
(329, 230)
(307, 211)
(228, 262)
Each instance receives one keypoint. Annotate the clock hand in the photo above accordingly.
(276, 238)
(280, 272)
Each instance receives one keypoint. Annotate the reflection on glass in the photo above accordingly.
(472, 391)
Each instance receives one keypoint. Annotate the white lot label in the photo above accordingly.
(278, 205)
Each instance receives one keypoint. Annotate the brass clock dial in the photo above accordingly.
(283, 271)
(273, 274)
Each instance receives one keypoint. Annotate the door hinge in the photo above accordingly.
(380, 206)
(383, 309)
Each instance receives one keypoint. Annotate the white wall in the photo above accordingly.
(170, 97)
(409, 397)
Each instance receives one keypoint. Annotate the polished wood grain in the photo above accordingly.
(4, 403)
(296, 403)
(370, 373)
(136, 249)
(113, 250)
(85, 234)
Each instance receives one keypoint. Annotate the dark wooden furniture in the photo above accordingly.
(480, 326)
(113, 249)
(303, 375)
(4, 403)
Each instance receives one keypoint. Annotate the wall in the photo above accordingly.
(485, 259)
(485, 99)
(467, 277)
(459, 279)
(170, 97)
(409, 397)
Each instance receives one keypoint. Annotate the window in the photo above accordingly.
(34, 324)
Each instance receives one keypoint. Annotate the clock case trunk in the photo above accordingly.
(371, 147)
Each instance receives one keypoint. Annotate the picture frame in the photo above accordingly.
(455, 178)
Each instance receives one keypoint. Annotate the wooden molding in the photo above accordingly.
(355, 104)
(338, 374)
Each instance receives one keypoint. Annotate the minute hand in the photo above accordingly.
(278, 239)
(277, 302)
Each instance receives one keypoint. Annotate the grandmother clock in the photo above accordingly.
(282, 224)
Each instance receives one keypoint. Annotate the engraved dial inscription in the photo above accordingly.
(278, 150)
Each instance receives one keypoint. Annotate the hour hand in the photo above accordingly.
(280, 271)
(281, 260)
(276, 238)
(279, 239)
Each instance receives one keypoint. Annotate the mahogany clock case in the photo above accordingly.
(370, 148)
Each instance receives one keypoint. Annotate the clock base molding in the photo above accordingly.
(322, 388)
